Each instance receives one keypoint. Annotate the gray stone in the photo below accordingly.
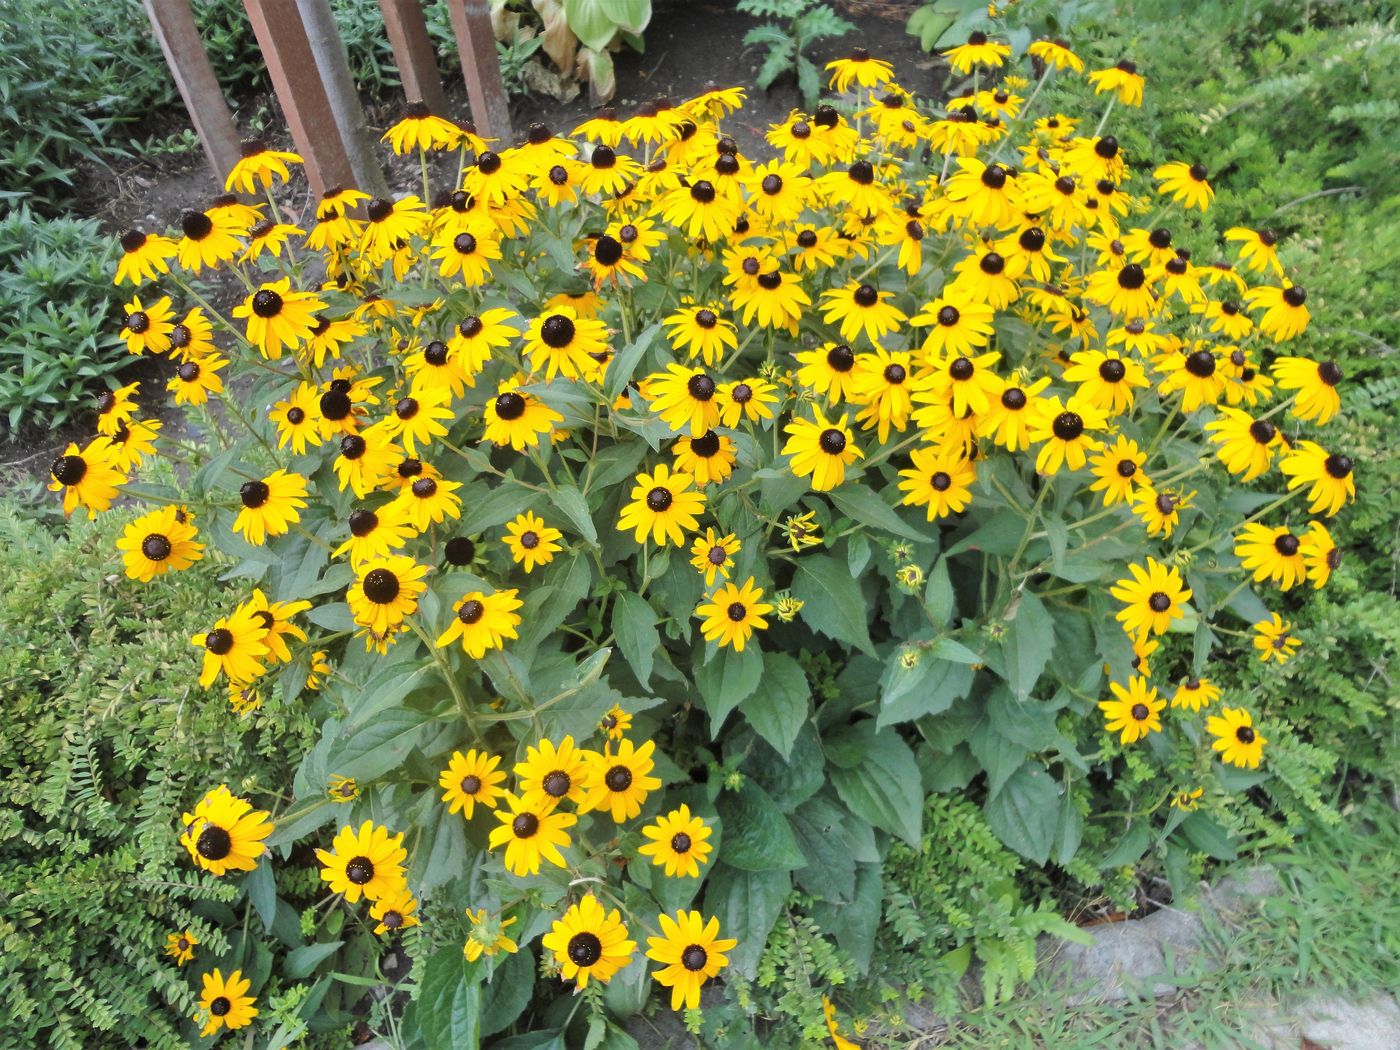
(1339, 1024)
(1115, 967)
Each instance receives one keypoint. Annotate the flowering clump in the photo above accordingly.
(561, 474)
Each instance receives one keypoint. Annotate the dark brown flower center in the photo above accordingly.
(619, 778)
(1013, 398)
(1126, 468)
(1245, 735)
(381, 586)
(470, 784)
(335, 405)
(219, 641)
(840, 358)
(214, 843)
(69, 470)
(254, 494)
(557, 331)
(556, 783)
(940, 481)
(359, 870)
(525, 825)
(680, 842)
(1139, 712)
(607, 251)
(1131, 277)
(700, 386)
(1286, 544)
(832, 441)
(736, 611)
(363, 522)
(267, 303)
(1338, 466)
(694, 958)
(1068, 426)
(702, 191)
(660, 499)
(992, 264)
(1201, 364)
(584, 949)
(1158, 602)
(220, 1005)
(156, 547)
(895, 374)
(1112, 370)
(861, 173)
(424, 488)
(460, 550)
(1295, 296)
(1262, 431)
(865, 296)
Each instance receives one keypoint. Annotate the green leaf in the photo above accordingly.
(853, 926)
(262, 892)
(377, 747)
(596, 22)
(830, 873)
(778, 710)
(726, 679)
(757, 837)
(928, 689)
(624, 364)
(634, 623)
(300, 962)
(572, 505)
(1025, 813)
(506, 997)
(1029, 642)
(999, 534)
(449, 1004)
(938, 594)
(747, 904)
(998, 755)
(885, 787)
(1206, 835)
(833, 602)
(862, 505)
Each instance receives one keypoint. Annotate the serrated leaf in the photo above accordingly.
(778, 710)
(747, 904)
(884, 788)
(833, 602)
(1028, 645)
(634, 624)
(726, 679)
(1025, 812)
(757, 837)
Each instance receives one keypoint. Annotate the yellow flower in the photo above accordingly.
(225, 1003)
(821, 449)
(732, 614)
(691, 952)
(1274, 640)
(530, 541)
(225, 833)
(365, 863)
(662, 504)
(678, 843)
(1134, 711)
(589, 943)
(180, 946)
(1238, 742)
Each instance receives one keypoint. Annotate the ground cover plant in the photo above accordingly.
(664, 526)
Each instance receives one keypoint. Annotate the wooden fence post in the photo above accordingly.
(175, 29)
(355, 135)
(414, 54)
(295, 77)
(476, 44)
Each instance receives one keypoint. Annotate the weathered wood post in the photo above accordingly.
(175, 29)
(476, 44)
(414, 54)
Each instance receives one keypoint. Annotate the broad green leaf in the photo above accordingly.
(1028, 645)
(938, 594)
(830, 873)
(505, 998)
(624, 364)
(929, 688)
(378, 747)
(449, 1004)
(757, 837)
(999, 534)
(834, 604)
(300, 962)
(262, 892)
(634, 624)
(884, 788)
(853, 926)
(999, 755)
(596, 22)
(549, 605)
(1206, 835)
(778, 710)
(747, 904)
(727, 678)
(862, 505)
(572, 505)
(1024, 814)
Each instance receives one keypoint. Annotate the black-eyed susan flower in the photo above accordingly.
(330, 336)
(589, 943)
(320, 670)
(859, 68)
(940, 481)
(684, 398)
(1106, 379)
(1198, 375)
(662, 505)
(1008, 418)
(821, 449)
(699, 210)
(1329, 474)
(427, 501)
(1122, 79)
(144, 257)
(1118, 472)
(530, 541)
(258, 167)
(1153, 597)
(517, 418)
(342, 790)
(615, 723)
(881, 386)
(978, 51)
(1188, 801)
(828, 370)
(363, 460)
(276, 619)
(1271, 553)
(531, 834)
(708, 458)
(1321, 554)
(549, 774)
(386, 591)
(563, 343)
(419, 129)
(270, 506)
(1065, 431)
(1258, 248)
(984, 277)
(833, 1027)
(1285, 309)
(678, 842)
(608, 261)
(270, 238)
(298, 418)
(732, 613)
(619, 781)
(390, 224)
(335, 226)
(147, 328)
(1185, 183)
(394, 912)
(1274, 639)
(487, 936)
(778, 191)
(1160, 511)
(691, 952)
(132, 443)
(1056, 54)
(483, 621)
(1244, 444)
(984, 194)
(1195, 693)
(861, 309)
(471, 779)
(477, 336)
(88, 478)
(180, 946)
(419, 417)
(956, 326)
(159, 542)
(775, 299)
(234, 646)
(1316, 383)
(225, 833)
(802, 531)
(1238, 742)
(224, 1003)
(207, 241)
(713, 554)
(745, 399)
(367, 862)
(1133, 712)
(195, 380)
(700, 331)
(968, 384)
(244, 699)
(279, 317)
